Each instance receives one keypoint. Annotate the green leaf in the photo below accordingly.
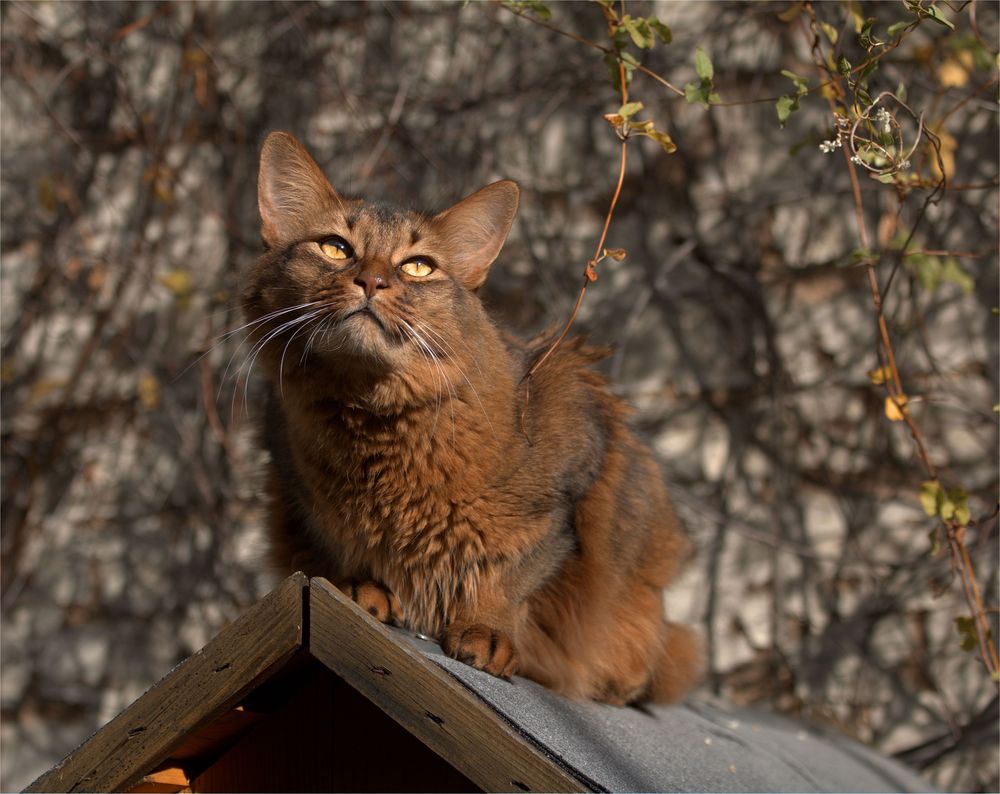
(952, 271)
(865, 34)
(897, 28)
(641, 126)
(703, 65)
(938, 16)
(630, 109)
(785, 106)
(801, 86)
(701, 92)
(866, 71)
(639, 30)
(660, 30)
(628, 62)
(843, 66)
(886, 179)
(538, 8)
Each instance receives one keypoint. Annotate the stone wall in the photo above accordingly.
(743, 330)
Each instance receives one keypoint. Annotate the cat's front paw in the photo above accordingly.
(482, 647)
(376, 599)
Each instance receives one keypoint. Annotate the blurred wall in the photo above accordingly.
(743, 330)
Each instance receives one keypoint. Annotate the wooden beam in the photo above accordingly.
(431, 704)
(244, 654)
(165, 780)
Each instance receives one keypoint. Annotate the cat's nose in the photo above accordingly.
(370, 282)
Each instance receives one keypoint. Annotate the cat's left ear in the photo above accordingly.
(473, 231)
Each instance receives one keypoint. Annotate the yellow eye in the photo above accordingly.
(336, 248)
(418, 268)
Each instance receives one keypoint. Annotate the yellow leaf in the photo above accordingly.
(791, 12)
(148, 390)
(178, 282)
(856, 16)
(951, 74)
(895, 408)
(880, 375)
(663, 139)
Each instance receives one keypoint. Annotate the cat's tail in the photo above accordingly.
(680, 664)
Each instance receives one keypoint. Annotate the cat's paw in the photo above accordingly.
(481, 647)
(376, 599)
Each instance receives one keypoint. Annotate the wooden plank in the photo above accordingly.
(432, 705)
(165, 780)
(198, 690)
(217, 734)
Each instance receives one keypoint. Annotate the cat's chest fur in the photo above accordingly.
(398, 498)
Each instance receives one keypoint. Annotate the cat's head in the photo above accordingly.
(351, 286)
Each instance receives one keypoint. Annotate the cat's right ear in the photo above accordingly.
(291, 190)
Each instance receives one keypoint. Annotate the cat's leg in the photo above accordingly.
(482, 633)
(482, 647)
(375, 598)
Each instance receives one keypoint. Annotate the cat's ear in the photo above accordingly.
(473, 231)
(291, 190)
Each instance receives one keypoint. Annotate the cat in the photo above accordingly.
(526, 536)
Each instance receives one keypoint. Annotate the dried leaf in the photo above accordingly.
(930, 493)
(178, 282)
(663, 139)
(148, 390)
(951, 74)
(618, 254)
(895, 408)
(880, 375)
(43, 387)
(968, 636)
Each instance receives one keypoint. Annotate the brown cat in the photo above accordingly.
(400, 467)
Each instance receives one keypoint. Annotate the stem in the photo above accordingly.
(589, 274)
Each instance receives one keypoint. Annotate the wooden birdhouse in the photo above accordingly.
(306, 692)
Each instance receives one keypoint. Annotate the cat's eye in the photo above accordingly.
(417, 267)
(336, 248)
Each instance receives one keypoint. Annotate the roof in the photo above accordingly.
(498, 735)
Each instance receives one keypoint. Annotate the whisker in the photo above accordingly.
(461, 372)
(256, 350)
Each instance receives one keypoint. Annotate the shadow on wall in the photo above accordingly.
(744, 332)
